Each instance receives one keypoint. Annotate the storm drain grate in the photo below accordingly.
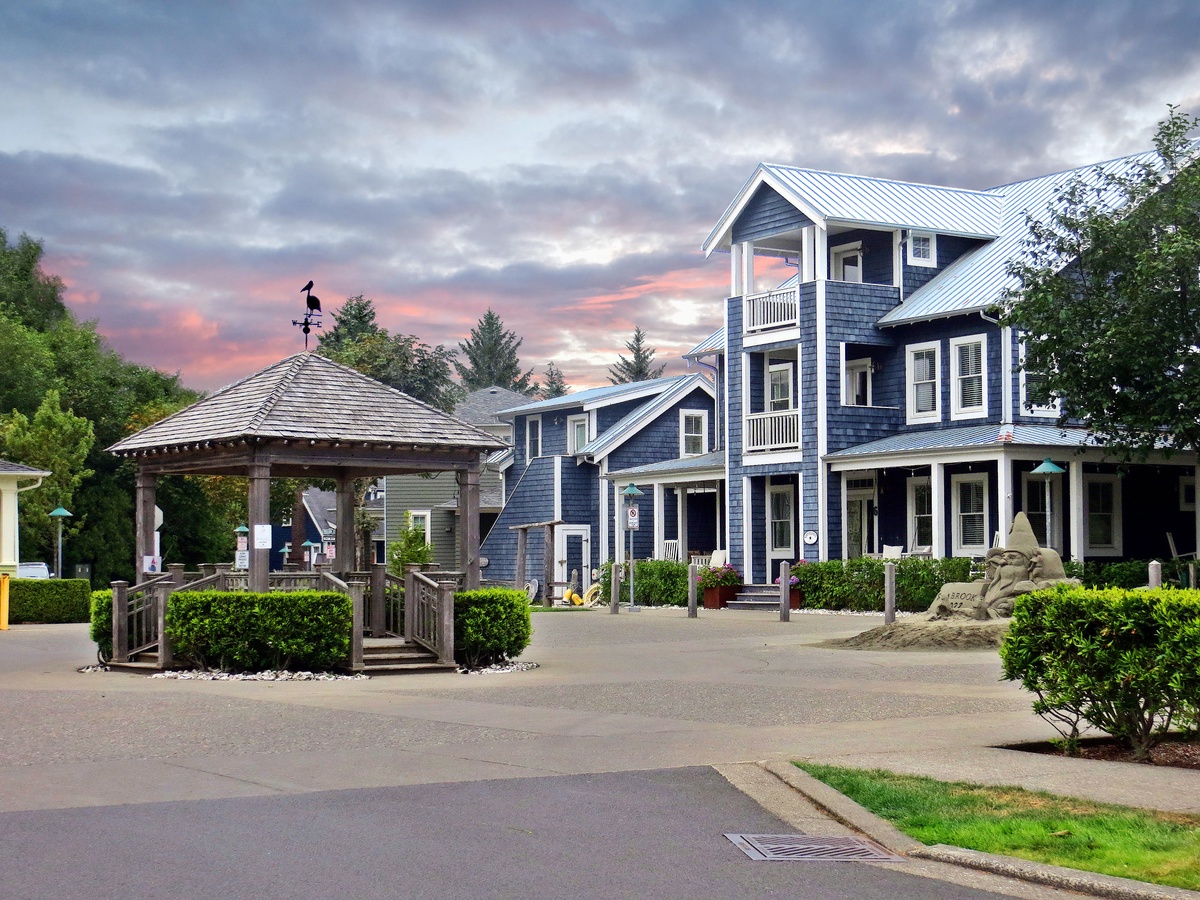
(807, 846)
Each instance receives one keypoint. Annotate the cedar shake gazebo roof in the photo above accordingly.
(306, 417)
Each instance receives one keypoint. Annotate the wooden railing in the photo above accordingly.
(429, 615)
(773, 431)
(775, 309)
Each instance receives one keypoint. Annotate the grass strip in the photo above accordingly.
(1159, 847)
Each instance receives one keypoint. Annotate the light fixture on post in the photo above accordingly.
(59, 514)
(631, 494)
(308, 552)
(1047, 470)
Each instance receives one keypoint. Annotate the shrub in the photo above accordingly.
(491, 625)
(1125, 662)
(101, 630)
(243, 631)
(410, 549)
(656, 582)
(48, 601)
(857, 584)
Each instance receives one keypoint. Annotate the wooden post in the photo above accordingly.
(614, 603)
(548, 565)
(120, 624)
(445, 625)
(522, 550)
(693, 569)
(162, 596)
(177, 578)
(889, 593)
(144, 515)
(410, 605)
(468, 507)
(357, 590)
(222, 575)
(785, 591)
(259, 514)
(378, 587)
(344, 533)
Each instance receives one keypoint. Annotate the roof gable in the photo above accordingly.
(634, 421)
(594, 398)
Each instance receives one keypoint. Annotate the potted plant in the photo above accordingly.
(720, 585)
(795, 594)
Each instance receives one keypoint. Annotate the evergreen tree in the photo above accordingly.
(491, 353)
(554, 385)
(353, 321)
(640, 364)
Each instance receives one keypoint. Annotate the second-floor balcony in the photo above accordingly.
(774, 309)
(780, 309)
(772, 431)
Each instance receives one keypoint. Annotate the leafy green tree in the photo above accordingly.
(353, 321)
(554, 385)
(28, 364)
(640, 364)
(491, 353)
(57, 441)
(1109, 302)
(411, 549)
(25, 288)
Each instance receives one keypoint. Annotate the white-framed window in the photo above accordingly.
(421, 519)
(780, 502)
(693, 432)
(1187, 493)
(779, 387)
(920, 512)
(533, 438)
(1033, 502)
(846, 262)
(1102, 515)
(922, 249)
(968, 388)
(923, 378)
(577, 433)
(969, 508)
(856, 386)
(1033, 394)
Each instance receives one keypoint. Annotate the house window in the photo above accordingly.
(780, 378)
(533, 438)
(1187, 493)
(1102, 513)
(847, 262)
(1033, 502)
(922, 249)
(781, 520)
(923, 382)
(857, 386)
(1035, 400)
(577, 433)
(420, 519)
(920, 513)
(693, 432)
(968, 356)
(970, 511)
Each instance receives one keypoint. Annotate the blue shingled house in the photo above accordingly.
(572, 456)
(873, 400)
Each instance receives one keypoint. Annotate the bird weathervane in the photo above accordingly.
(312, 314)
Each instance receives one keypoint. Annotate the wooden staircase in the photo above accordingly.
(396, 656)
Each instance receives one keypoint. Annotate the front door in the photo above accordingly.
(860, 523)
(573, 553)
(781, 527)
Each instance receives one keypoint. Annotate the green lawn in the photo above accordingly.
(1163, 848)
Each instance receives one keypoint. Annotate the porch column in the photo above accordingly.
(468, 507)
(681, 499)
(144, 515)
(660, 524)
(747, 268)
(1078, 523)
(1004, 494)
(937, 498)
(735, 269)
(259, 514)
(344, 537)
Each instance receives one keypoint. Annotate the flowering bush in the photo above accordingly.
(795, 580)
(718, 576)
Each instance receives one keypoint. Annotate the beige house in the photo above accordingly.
(11, 477)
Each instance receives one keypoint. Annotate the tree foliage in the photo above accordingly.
(491, 353)
(554, 384)
(640, 364)
(1109, 302)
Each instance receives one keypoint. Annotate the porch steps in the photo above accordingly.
(756, 596)
(396, 656)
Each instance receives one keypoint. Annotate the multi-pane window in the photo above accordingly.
(781, 387)
(577, 433)
(1102, 512)
(533, 438)
(970, 515)
(968, 358)
(781, 519)
(922, 249)
(693, 432)
(923, 382)
(858, 383)
(920, 512)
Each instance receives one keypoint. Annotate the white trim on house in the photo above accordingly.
(822, 367)
(778, 553)
(530, 456)
(913, 415)
(1113, 547)
(558, 487)
(1043, 411)
(928, 257)
(838, 254)
(913, 533)
(573, 423)
(685, 434)
(423, 519)
(962, 404)
(852, 372)
(959, 545)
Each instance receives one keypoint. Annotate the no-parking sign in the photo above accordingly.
(631, 518)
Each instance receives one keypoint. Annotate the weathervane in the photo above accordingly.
(311, 315)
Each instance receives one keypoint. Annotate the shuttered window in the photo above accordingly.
(969, 391)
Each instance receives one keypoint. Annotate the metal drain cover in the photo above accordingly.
(807, 846)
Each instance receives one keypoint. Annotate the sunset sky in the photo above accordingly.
(190, 166)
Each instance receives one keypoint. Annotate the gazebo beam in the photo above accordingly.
(468, 504)
(344, 554)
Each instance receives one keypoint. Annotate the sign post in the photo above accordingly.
(631, 525)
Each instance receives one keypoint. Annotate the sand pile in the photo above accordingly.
(922, 634)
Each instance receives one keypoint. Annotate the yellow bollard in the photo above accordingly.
(4, 602)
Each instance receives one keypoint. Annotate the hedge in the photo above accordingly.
(242, 631)
(1126, 662)
(656, 582)
(101, 630)
(857, 584)
(491, 625)
(48, 601)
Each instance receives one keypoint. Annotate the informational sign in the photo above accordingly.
(243, 542)
(262, 537)
(631, 518)
(241, 559)
(152, 564)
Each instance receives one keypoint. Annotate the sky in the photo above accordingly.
(190, 166)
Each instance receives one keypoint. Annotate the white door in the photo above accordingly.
(573, 551)
(781, 527)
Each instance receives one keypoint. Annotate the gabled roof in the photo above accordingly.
(977, 280)
(481, 407)
(594, 398)
(308, 397)
(707, 464)
(714, 343)
(633, 422)
(873, 202)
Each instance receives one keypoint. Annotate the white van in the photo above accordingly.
(33, 570)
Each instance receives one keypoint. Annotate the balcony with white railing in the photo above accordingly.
(772, 310)
(772, 431)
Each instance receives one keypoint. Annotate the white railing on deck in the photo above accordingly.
(773, 431)
(775, 309)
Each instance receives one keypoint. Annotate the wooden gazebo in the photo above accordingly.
(308, 417)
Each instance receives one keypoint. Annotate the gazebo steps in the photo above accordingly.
(143, 662)
(393, 656)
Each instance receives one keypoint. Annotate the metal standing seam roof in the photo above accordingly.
(714, 343)
(621, 431)
(601, 396)
(682, 466)
(309, 397)
(972, 437)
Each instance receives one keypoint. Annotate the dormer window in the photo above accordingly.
(922, 249)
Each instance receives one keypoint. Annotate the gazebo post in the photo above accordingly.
(468, 504)
(144, 515)
(344, 551)
(260, 514)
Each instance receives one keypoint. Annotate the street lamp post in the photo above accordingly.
(59, 514)
(631, 525)
(1048, 469)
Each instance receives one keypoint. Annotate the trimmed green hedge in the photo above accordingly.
(101, 630)
(656, 582)
(857, 584)
(491, 625)
(242, 631)
(1125, 662)
(48, 601)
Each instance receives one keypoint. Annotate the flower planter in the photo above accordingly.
(719, 597)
